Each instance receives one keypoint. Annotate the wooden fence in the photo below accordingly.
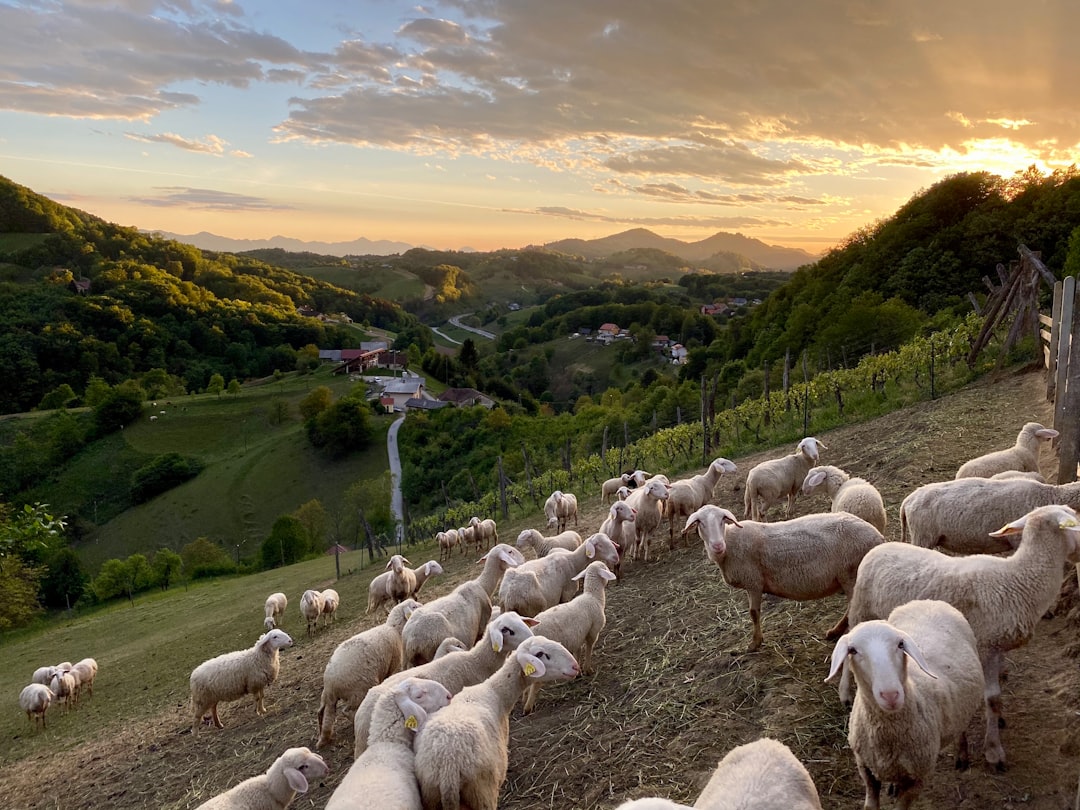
(1060, 335)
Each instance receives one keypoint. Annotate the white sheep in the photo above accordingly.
(358, 663)
(502, 635)
(291, 773)
(467, 537)
(450, 645)
(808, 557)
(647, 503)
(854, 495)
(1007, 474)
(462, 613)
(576, 624)
(43, 675)
(690, 494)
(622, 493)
(35, 699)
(903, 715)
(771, 481)
(619, 526)
(559, 508)
(63, 686)
(384, 776)
(538, 584)
(542, 546)
(461, 754)
(330, 603)
(485, 532)
(387, 588)
(311, 608)
(274, 609)
(232, 675)
(637, 478)
(610, 488)
(447, 540)
(960, 515)
(1002, 598)
(86, 671)
(1022, 456)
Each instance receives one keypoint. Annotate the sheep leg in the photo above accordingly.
(993, 749)
(837, 629)
(214, 717)
(755, 617)
(529, 698)
(963, 753)
(872, 801)
(259, 707)
(907, 790)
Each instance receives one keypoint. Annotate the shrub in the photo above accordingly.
(162, 474)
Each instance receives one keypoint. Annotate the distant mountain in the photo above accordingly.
(223, 244)
(779, 258)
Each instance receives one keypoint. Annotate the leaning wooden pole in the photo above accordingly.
(1069, 401)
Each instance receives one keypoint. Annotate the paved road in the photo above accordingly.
(444, 336)
(396, 503)
(456, 321)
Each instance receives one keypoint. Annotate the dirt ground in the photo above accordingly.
(673, 691)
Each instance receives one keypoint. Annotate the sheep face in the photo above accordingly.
(431, 568)
(723, 465)
(419, 697)
(543, 660)
(601, 547)
(878, 654)
(397, 563)
(276, 640)
(508, 630)
(300, 765)
(1048, 518)
(710, 522)
(811, 448)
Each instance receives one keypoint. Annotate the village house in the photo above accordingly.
(607, 332)
(678, 354)
(401, 390)
(465, 398)
(714, 309)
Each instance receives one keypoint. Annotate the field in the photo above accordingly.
(673, 691)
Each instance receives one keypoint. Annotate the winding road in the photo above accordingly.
(396, 502)
(456, 321)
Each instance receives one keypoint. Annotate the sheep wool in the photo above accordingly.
(536, 585)
(854, 495)
(232, 675)
(542, 546)
(690, 494)
(311, 608)
(771, 481)
(1023, 456)
(291, 773)
(647, 503)
(274, 610)
(35, 699)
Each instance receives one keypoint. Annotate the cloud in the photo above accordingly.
(210, 145)
(720, 223)
(209, 200)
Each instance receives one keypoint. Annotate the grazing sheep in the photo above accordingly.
(232, 675)
(447, 540)
(485, 532)
(770, 481)
(960, 515)
(809, 557)
(619, 526)
(291, 773)
(380, 590)
(611, 487)
(311, 606)
(461, 754)
(462, 613)
(1002, 598)
(542, 546)
(647, 503)
(559, 508)
(358, 663)
(330, 603)
(384, 775)
(854, 495)
(274, 610)
(456, 671)
(538, 584)
(86, 670)
(690, 494)
(903, 715)
(1022, 456)
(576, 624)
(35, 700)
(63, 686)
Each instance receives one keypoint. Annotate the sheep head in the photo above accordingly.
(1056, 517)
(419, 697)
(507, 630)
(878, 653)
(298, 765)
(710, 522)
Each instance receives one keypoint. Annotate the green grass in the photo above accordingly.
(14, 242)
(382, 282)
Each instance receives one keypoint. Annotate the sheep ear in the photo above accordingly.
(532, 666)
(912, 651)
(406, 561)
(590, 548)
(1015, 527)
(296, 779)
(415, 715)
(813, 478)
(389, 564)
(839, 655)
(496, 636)
(1046, 433)
(531, 622)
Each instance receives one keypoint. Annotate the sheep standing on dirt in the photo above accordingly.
(331, 600)
(854, 495)
(559, 508)
(387, 588)
(1002, 598)
(1022, 456)
(274, 610)
(690, 494)
(311, 605)
(648, 504)
(447, 540)
(463, 613)
(542, 546)
(809, 557)
(384, 775)
(35, 700)
(86, 670)
(467, 537)
(610, 488)
(291, 773)
(232, 675)
(63, 686)
(461, 754)
(360, 662)
(770, 481)
(485, 531)
(619, 526)
(536, 585)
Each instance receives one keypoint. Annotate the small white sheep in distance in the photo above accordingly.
(1022, 456)
(502, 635)
(311, 607)
(63, 686)
(274, 609)
(619, 526)
(358, 663)
(763, 775)
(904, 715)
(86, 670)
(690, 494)
(291, 773)
(384, 775)
(637, 478)
(854, 495)
(576, 624)
(330, 604)
(538, 584)
(559, 508)
(647, 503)
(610, 488)
(542, 546)
(486, 532)
(771, 481)
(447, 540)
(461, 754)
(467, 537)
(808, 557)
(232, 675)
(35, 699)
(1002, 598)
(462, 613)
(381, 591)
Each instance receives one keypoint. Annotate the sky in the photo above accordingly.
(503, 123)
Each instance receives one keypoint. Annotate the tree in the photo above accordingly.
(216, 384)
(27, 532)
(468, 356)
(203, 558)
(167, 565)
(65, 580)
(312, 517)
(287, 543)
(18, 593)
(342, 428)
(120, 407)
(369, 500)
(318, 400)
(234, 386)
(96, 391)
(123, 578)
(307, 358)
(60, 397)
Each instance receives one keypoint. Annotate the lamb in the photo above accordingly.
(542, 546)
(485, 532)
(559, 508)
(382, 591)
(960, 515)
(43, 675)
(447, 540)
(1022, 456)
(768, 482)
(647, 504)
(808, 557)
(35, 699)
(576, 624)
(63, 686)
(854, 495)
(619, 526)
(384, 776)
(291, 773)
(358, 663)
(274, 610)
(539, 584)
(455, 672)
(1002, 598)
(462, 613)
(232, 675)
(311, 606)
(690, 494)
(467, 537)
(450, 645)
(331, 600)
(611, 487)
(903, 715)
(461, 754)
(622, 493)
(86, 670)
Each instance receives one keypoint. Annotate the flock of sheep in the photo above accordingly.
(64, 682)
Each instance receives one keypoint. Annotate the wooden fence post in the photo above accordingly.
(502, 490)
(1050, 351)
(1068, 296)
(1067, 404)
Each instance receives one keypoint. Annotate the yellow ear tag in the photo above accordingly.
(529, 669)
(589, 552)
(410, 722)
(494, 646)
(1068, 523)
